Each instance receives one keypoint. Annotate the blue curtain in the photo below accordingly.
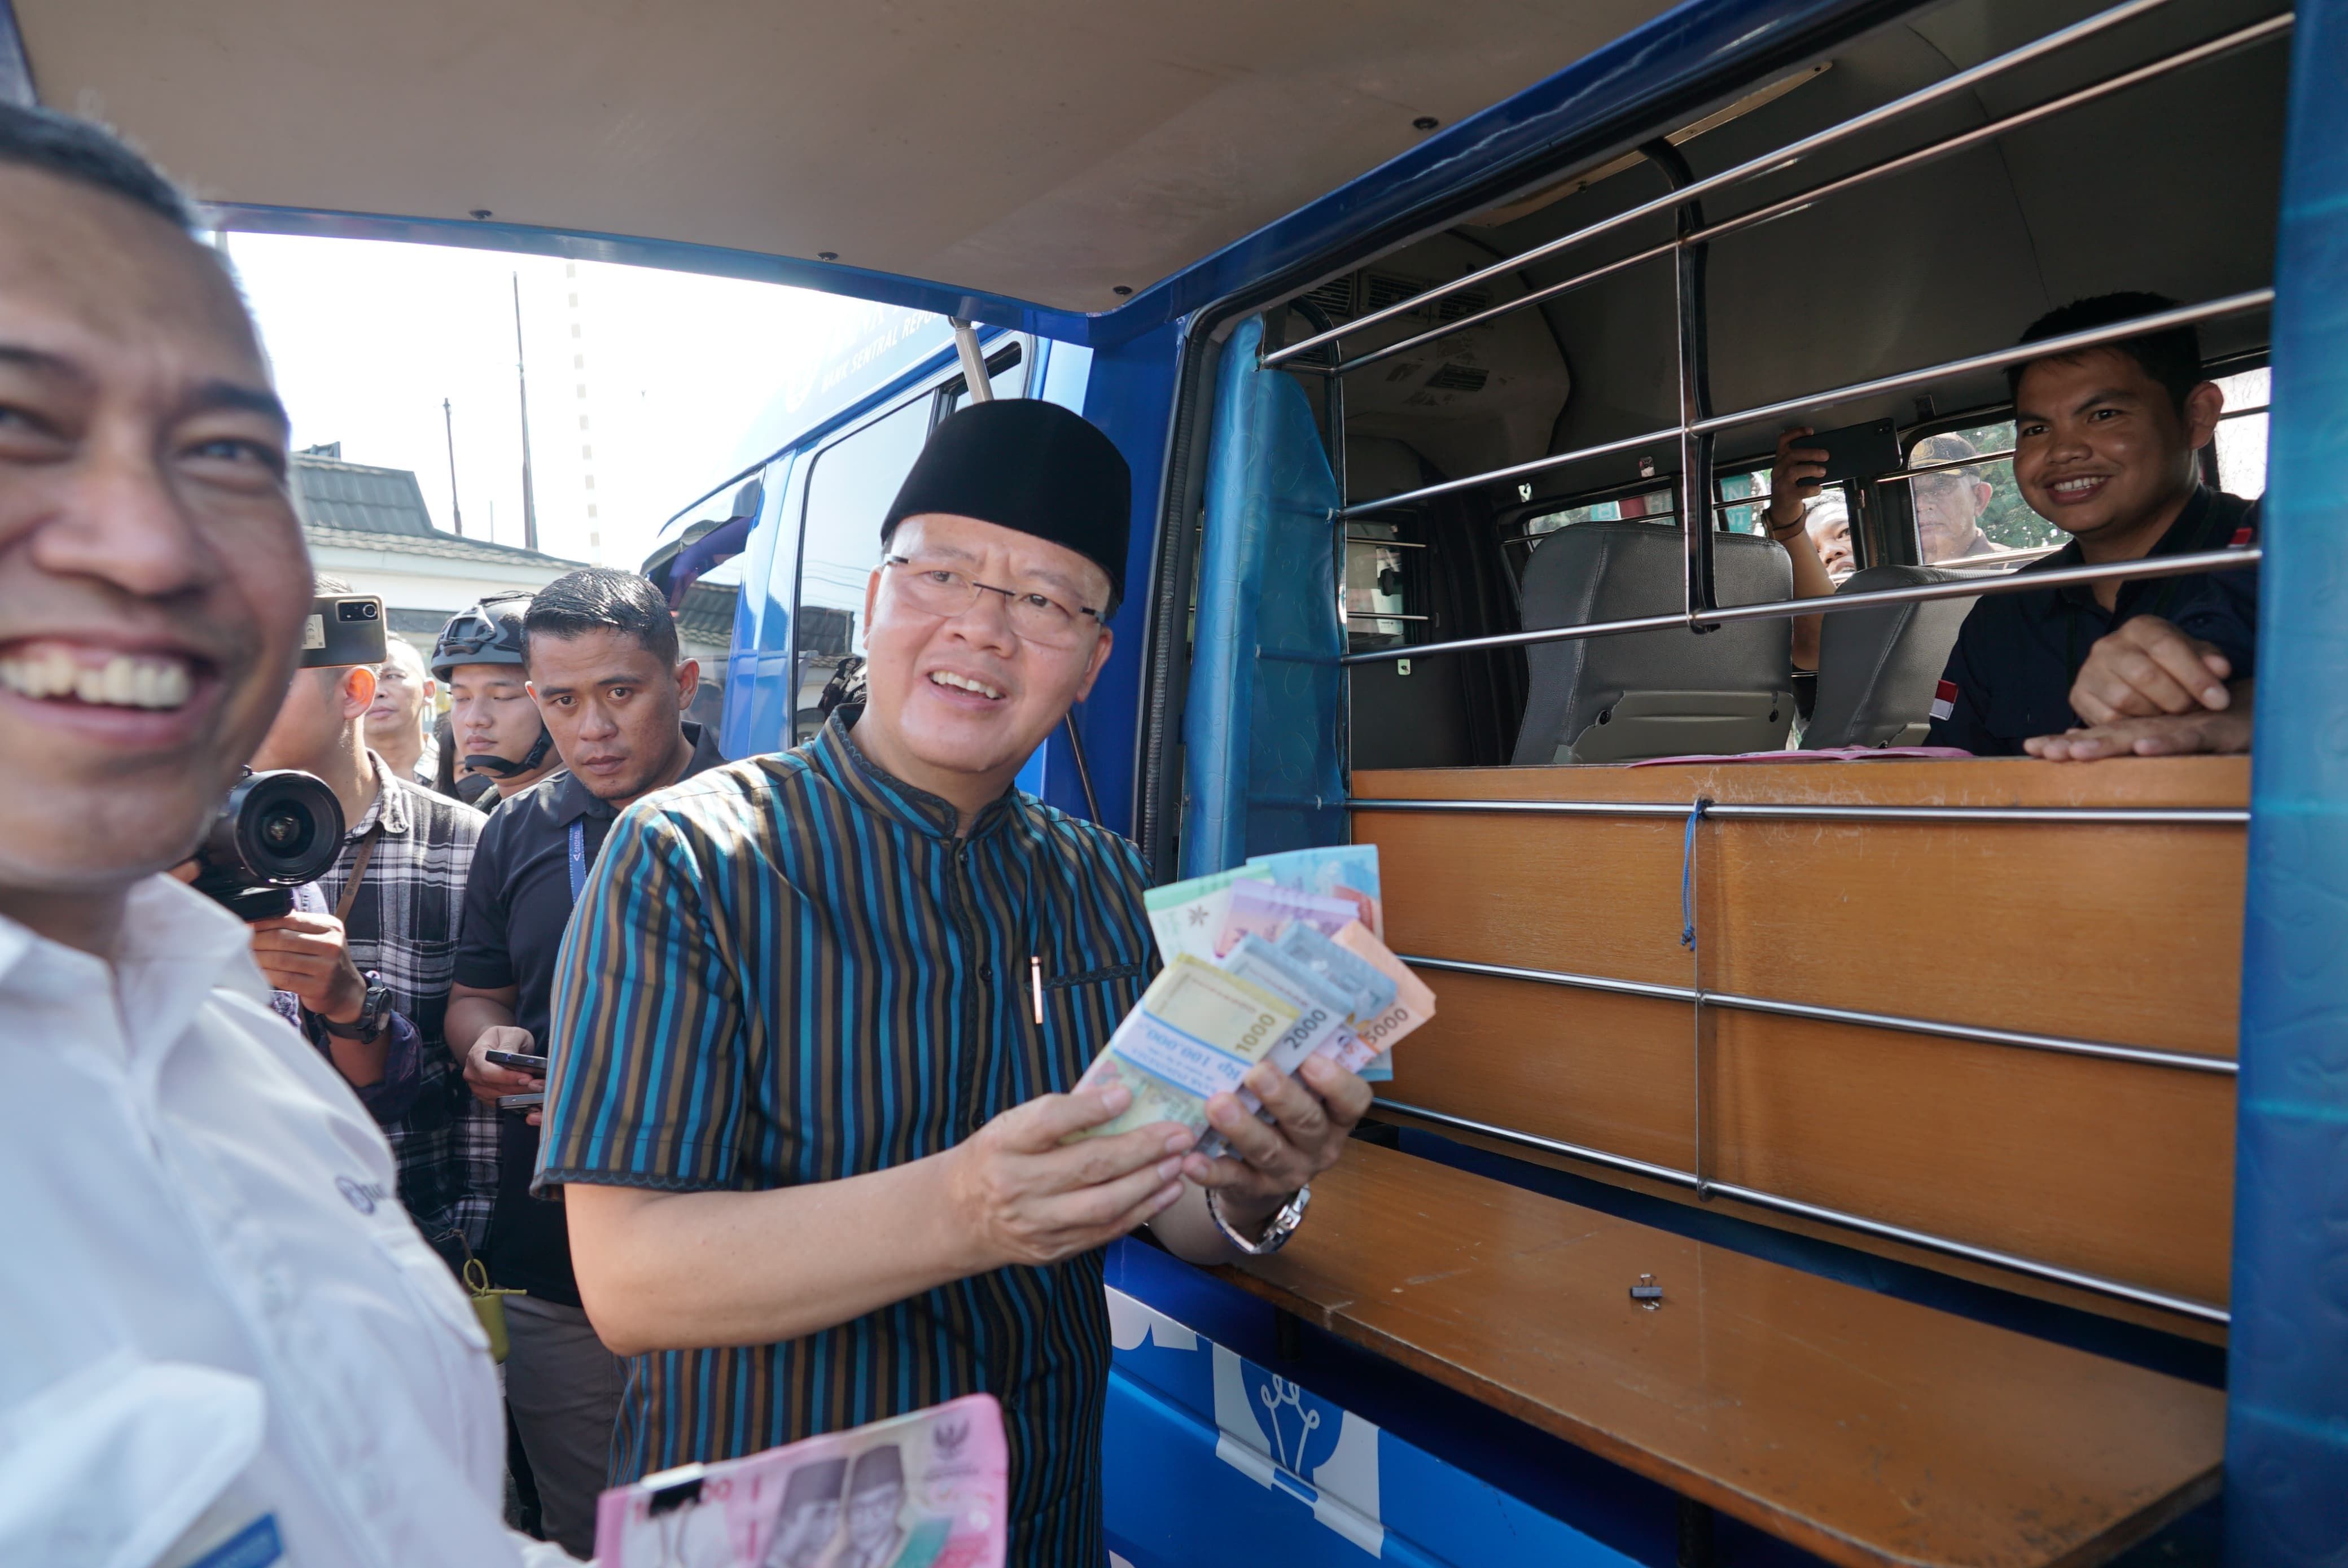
(1263, 764)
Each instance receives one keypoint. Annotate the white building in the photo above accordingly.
(369, 526)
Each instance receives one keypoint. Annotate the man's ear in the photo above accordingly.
(688, 681)
(357, 689)
(2202, 406)
(1100, 658)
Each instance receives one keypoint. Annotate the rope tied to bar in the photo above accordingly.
(1687, 874)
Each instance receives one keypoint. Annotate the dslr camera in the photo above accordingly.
(284, 827)
(279, 830)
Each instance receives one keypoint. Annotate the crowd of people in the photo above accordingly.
(729, 1070)
(741, 1084)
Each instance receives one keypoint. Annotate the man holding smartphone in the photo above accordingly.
(605, 671)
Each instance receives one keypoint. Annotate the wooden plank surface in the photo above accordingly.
(1866, 1430)
(2125, 933)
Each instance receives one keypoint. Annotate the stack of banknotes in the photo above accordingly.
(927, 1490)
(1281, 959)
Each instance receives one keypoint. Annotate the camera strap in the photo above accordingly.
(358, 872)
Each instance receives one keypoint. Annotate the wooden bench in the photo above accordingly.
(1863, 1428)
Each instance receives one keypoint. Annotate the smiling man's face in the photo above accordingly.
(956, 703)
(153, 580)
(2103, 452)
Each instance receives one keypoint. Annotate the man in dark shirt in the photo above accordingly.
(604, 673)
(2105, 448)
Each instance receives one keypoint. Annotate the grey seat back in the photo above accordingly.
(1626, 696)
(1878, 666)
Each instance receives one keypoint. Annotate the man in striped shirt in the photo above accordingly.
(804, 1106)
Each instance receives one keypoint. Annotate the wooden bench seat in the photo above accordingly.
(1866, 1430)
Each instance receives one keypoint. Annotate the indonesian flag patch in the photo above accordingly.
(2242, 537)
(1944, 700)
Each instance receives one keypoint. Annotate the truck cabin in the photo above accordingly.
(1820, 1153)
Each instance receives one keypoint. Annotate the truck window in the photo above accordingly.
(2242, 433)
(849, 492)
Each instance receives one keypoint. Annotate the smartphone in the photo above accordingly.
(516, 1060)
(343, 629)
(1856, 451)
(521, 1102)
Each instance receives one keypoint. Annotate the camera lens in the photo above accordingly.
(282, 828)
(283, 831)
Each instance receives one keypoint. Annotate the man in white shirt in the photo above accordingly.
(224, 1339)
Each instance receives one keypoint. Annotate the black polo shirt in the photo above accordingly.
(2018, 654)
(517, 903)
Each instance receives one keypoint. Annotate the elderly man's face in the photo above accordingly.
(963, 691)
(402, 690)
(153, 581)
(1948, 505)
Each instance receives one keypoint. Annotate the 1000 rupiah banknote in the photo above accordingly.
(1195, 1033)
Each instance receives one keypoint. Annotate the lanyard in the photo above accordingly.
(358, 873)
(578, 857)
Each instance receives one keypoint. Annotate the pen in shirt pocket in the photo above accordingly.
(1036, 983)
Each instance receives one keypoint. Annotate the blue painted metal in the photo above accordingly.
(758, 683)
(2287, 1417)
(1263, 764)
(16, 69)
(1128, 392)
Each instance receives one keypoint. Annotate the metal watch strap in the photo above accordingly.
(1276, 1230)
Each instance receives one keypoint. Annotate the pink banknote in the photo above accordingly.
(921, 1491)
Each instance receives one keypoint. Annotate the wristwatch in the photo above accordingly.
(1276, 1230)
(375, 1011)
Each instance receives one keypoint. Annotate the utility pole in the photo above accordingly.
(521, 378)
(448, 423)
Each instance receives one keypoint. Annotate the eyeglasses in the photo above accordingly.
(944, 592)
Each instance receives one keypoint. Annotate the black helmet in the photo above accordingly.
(491, 633)
(487, 634)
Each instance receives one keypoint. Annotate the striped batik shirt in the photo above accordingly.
(789, 970)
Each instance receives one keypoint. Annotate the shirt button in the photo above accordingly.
(986, 971)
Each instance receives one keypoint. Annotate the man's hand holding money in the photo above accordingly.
(1020, 1195)
(1313, 1112)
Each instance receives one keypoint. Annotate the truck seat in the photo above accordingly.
(1633, 695)
(1878, 666)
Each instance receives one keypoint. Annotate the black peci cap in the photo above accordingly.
(1026, 464)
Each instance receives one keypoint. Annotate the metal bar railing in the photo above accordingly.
(2240, 38)
(1387, 503)
(2061, 1045)
(1963, 82)
(1947, 1245)
(1996, 359)
(1962, 588)
(1677, 811)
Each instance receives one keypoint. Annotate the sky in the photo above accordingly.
(643, 383)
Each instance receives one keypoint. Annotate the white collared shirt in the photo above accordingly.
(213, 1310)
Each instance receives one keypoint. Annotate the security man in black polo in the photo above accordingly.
(2107, 444)
(603, 659)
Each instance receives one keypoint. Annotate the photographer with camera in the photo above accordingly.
(224, 1341)
(372, 976)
